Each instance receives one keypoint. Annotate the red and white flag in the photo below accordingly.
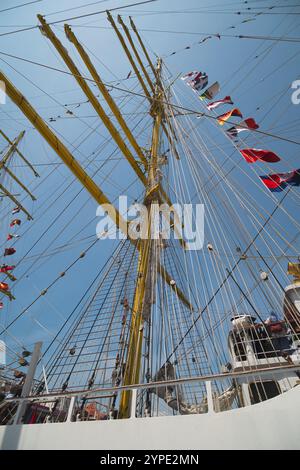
(190, 75)
(196, 80)
(10, 236)
(216, 104)
(246, 125)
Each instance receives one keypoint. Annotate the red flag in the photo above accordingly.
(224, 117)
(278, 181)
(252, 155)
(9, 251)
(15, 222)
(4, 268)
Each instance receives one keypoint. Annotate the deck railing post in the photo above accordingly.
(210, 402)
(70, 410)
(133, 403)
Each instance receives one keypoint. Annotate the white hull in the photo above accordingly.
(274, 424)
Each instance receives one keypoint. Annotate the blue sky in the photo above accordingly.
(257, 74)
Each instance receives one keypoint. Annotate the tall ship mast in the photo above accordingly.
(176, 323)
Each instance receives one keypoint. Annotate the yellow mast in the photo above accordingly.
(19, 153)
(98, 108)
(140, 79)
(136, 53)
(163, 194)
(3, 165)
(146, 246)
(133, 360)
(144, 69)
(12, 149)
(142, 44)
(129, 56)
(102, 88)
(45, 28)
(16, 179)
(15, 201)
(61, 150)
(66, 156)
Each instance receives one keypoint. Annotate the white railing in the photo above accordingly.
(99, 393)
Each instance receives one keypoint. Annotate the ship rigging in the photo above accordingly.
(159, 329)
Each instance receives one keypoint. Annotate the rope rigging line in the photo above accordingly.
(98, 169)
(228, 275)
(74, 198)
(107, 140)
(192, 111)
(20, 6)
(248, 176)
(216, 35)
(265, 223)
(91, 347)
(84, 295)
(271, 270)
(78, 17)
